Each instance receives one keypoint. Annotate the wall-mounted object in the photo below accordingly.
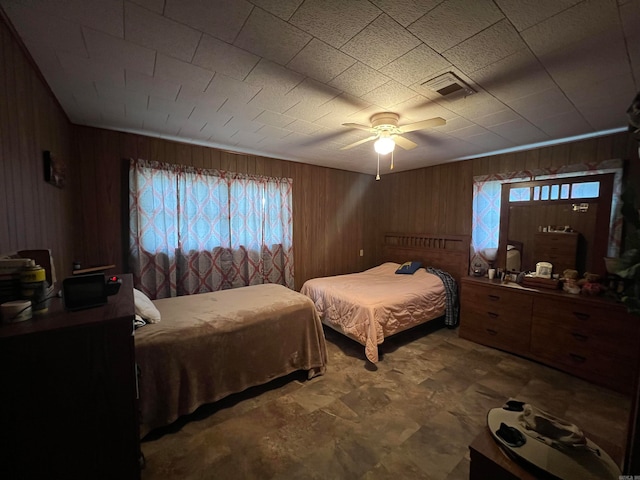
(55, 171)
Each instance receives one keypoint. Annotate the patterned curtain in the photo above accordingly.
(486, 204)
(227, 230)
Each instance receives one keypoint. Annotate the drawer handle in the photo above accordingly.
(577, 358)
(579, 336)
(493, 297)
(491, 331)
(493, 314)
(581, 315)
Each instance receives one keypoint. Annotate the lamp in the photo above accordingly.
(384, 144)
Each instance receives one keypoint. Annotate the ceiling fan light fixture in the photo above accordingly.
(384, 145)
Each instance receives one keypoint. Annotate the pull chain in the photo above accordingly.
(391, 160)
(378, 171)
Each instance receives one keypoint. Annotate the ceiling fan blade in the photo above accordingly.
(404, 142)
(359, 142)
(432, 122)
(357, 125)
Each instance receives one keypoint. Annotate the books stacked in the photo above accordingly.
(10, 278)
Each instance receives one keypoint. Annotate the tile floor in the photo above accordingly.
(412, 416)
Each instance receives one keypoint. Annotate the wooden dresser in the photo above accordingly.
(68, 407)
(559, 249)
(591, 338)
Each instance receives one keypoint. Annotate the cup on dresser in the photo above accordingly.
(492, 273)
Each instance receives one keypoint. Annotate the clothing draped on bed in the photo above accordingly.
(374, 304)
(210, 345)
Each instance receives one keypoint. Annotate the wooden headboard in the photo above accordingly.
(445, 252)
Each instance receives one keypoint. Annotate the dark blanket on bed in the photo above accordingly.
(451, 290)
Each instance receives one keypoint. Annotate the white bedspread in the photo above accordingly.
(376, 303)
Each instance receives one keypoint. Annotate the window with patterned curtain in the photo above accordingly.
(486, 205)
(195, 230)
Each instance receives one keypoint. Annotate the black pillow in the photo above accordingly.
(409, 268)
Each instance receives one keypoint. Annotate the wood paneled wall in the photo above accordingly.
(33, 213)
(439, 198)
(329, 206)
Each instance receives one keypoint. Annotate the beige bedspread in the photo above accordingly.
(376, 303)
(210, 345)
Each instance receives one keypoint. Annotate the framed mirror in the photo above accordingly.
(563, 221)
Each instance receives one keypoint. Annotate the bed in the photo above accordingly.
(210, 345)
(372, 305)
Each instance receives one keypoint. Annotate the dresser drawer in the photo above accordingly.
(508, 332)
(496, 316)
(500, 300)
(576, 335)
(608, 321)
(547, 343)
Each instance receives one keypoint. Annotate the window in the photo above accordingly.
(194, 230)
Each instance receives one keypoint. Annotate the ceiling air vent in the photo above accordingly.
(449, 85)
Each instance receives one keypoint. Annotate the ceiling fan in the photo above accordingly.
(387, 133)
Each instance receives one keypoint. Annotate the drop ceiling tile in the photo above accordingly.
(606, 54)
(36, 28)
(476, 105)
(209, 116)
(130, 98)
(489, 141)
(453, 21)
(273, 132)
(278, 102)
(92, 70)
(380, 43)
(243, 124)
(222, 19)
(300, 126)
(240, 109)
(334, 21)
(153, 5)
(222, 57)
(542, 104)
(416, 66)
(486, 47)
(224, 86)
(359, 80)
(515, 76)
(313, 92)
(247, 139)
(274, 119)
(389, 94)
(181, 109)
(172, 70)
(118, 52)
(519, 132)
(405, 12)
(103, 15)
(271, 37)
(210, 98)
(629, 14)
(455, 124)
(154, 31)
(138, 82)
(282, 8)
(497, 118)
(585, 20)
(273, 77)
(320, 61)
(564, 125)
(526, 14)
(192, 129)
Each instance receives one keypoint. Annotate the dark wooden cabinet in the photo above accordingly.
(590, 337)
(68, 407)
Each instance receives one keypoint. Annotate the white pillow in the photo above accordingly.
(145, 307)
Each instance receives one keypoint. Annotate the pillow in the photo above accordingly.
(409, 267)
(145, 307)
